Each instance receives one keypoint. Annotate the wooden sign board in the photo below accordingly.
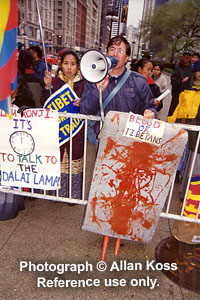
(131, 180)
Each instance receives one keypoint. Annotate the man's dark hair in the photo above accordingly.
(187, 52)
(37, 49)
(196, 54)
(116, 40)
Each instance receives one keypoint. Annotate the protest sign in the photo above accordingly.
(29, 155)
(131, 180)
(62, 101)
(149, 131)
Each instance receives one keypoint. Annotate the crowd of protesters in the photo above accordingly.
(138, 94)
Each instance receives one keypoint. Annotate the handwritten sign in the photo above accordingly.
(29, 155)
(62, 101)
(146, 130)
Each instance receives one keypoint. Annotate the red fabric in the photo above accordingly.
(7, 75)
(29, 71)
(60, 53)
(13, 15)
(193, 198)
(150, 81)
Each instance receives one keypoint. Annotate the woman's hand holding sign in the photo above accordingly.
(47, 79)
(76, 102)
(156, 101)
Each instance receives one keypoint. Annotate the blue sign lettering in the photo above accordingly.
(62, 101)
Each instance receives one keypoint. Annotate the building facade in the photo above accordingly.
(150, 6)
(113, 20)
(29, 30)
(133, 39)
(148, 9)
(70, 24)
(93, 23)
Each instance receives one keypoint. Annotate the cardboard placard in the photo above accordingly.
(30, 155)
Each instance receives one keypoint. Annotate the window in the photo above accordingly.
(30, 30)
(29, 4)
(59, 39)
(29, 16)
(46, 35)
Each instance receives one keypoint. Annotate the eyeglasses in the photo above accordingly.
(112, 50)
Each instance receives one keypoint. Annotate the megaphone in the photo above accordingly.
(94, 65)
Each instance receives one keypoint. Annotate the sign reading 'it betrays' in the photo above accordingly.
(29, 155)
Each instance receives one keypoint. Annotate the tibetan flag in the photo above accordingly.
(8, 51)
(193, 198)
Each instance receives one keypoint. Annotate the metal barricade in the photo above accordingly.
(179, 215)
(166, 213)
(49, 195)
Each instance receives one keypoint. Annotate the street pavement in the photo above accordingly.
(46, 235)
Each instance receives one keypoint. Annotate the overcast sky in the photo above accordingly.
(135, 12)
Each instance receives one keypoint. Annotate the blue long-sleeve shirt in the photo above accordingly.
(40, 68)
(134, 96)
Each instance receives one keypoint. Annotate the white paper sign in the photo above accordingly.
(29, 155)
(146, 130)
(163, 95)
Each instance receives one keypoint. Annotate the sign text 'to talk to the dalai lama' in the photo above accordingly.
(145, 130)
(29, 149)
(62, 101)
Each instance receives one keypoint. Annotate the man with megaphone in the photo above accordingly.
(133, 95)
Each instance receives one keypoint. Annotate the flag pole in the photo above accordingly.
(42, 37)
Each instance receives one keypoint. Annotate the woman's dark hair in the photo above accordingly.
(158, 65)
(68, 52)
(133, 65)
(37, 49)
(25, 60)
(196, 54)
(141, 63)
(116, 40)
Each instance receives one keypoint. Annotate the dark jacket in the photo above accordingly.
(180, 72)
(29, 90)
(35, 84)
(178, 86)
(134, 96)
(40, 68)
(155, 92)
